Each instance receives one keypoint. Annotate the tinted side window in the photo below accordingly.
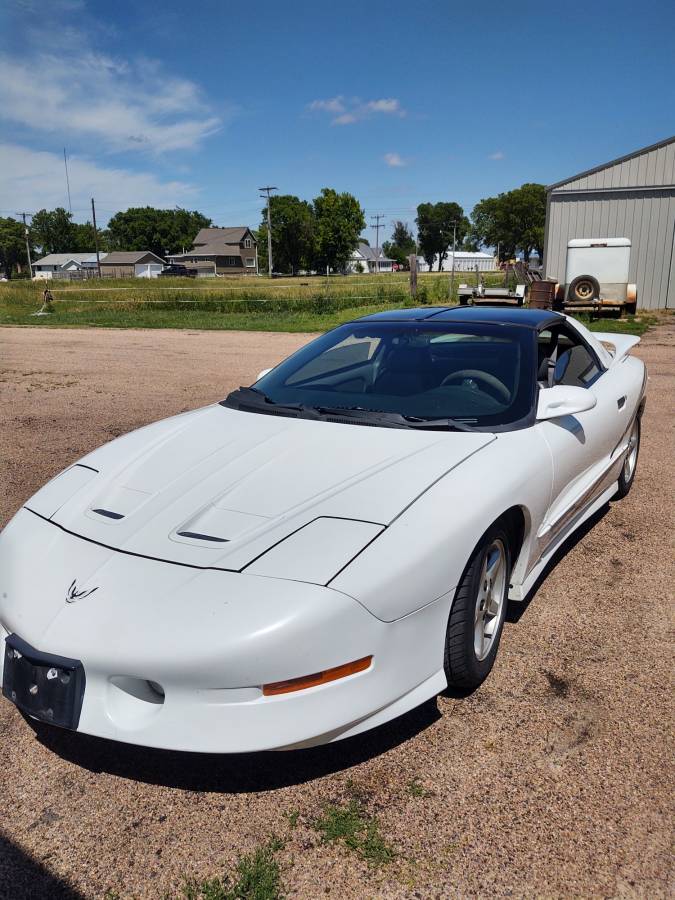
(575, 364)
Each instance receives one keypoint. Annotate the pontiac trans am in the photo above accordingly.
(326, 549)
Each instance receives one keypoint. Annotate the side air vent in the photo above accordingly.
(196, 536)
(108, 513)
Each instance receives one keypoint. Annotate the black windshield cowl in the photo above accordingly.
(395, 420)
(250, 399)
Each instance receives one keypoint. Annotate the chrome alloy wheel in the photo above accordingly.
(630, 461)
(490, 599)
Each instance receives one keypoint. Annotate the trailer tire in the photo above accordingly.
(583, 289)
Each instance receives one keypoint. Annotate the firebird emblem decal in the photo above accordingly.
(72, 594)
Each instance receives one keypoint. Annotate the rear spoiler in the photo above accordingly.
(619, 345)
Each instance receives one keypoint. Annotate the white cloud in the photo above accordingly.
(347, 111)
(394, 159)
(390, 105)
(334, 105)
(498, 154)
(33, 180)
(125, 105)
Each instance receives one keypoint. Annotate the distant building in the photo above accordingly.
(464, 262)
(61, 264)
(130, 264)
(227, 251)
(369, 259)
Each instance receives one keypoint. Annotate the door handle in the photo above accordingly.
(621, 402)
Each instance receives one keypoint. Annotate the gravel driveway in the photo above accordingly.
(555, 778)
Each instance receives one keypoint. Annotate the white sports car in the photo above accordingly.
(325, 550)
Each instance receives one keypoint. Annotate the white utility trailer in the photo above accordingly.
(596, 274)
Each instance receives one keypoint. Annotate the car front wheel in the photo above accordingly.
(630, 462)
(478, 611)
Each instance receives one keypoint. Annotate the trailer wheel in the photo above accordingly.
(583, 289)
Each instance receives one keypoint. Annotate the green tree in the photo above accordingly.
(435, 223)
(12, 246)
(339, 220)
(83, 240)
(158, 230)
(53, 230)
(513, 220)
(401, 245)
(292, 233)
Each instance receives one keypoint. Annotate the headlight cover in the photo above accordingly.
(316, 552)
(60, 489)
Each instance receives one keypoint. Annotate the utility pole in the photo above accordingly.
(65, 163)
(25, 230)
(93, 216)
(265, 193)
(377, 227)
(454, 249)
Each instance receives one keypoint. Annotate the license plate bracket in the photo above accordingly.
(45, 686)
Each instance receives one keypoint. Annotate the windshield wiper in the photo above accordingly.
(251, 396)
(455, 424)
(392, 419)
(254, 397)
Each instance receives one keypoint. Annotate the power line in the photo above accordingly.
(265, 192)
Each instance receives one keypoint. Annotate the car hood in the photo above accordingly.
(217, 487)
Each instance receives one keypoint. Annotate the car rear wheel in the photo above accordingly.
(629, 467)
(478, 611)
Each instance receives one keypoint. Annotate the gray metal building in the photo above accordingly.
(631, 197)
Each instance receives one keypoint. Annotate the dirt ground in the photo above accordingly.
(555, 778)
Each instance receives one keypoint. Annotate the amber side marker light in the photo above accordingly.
(307, 681)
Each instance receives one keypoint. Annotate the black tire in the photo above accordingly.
(626, 478)
(464, 669)
(583, 289)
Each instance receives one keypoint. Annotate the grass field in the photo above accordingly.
(261, 304)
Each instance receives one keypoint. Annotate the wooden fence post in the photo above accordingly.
(412, 259)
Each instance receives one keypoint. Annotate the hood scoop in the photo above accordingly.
(116, 503)
(215, 526)
(196, 536)
(108, 513)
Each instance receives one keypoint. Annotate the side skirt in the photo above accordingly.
(519, 592)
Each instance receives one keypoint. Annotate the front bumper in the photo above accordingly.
(176, 657)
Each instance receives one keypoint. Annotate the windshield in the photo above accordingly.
(475, 374)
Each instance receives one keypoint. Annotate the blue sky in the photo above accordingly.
(198, 105)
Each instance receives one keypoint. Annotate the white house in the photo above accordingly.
(63, 262)
(369, 259)
(464, 262)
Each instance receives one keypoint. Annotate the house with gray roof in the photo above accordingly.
(131, 263)
(369, 259)
(62, 265)
(228, 251)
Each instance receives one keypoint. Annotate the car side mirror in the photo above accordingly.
(262, 374)
(564, 400)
